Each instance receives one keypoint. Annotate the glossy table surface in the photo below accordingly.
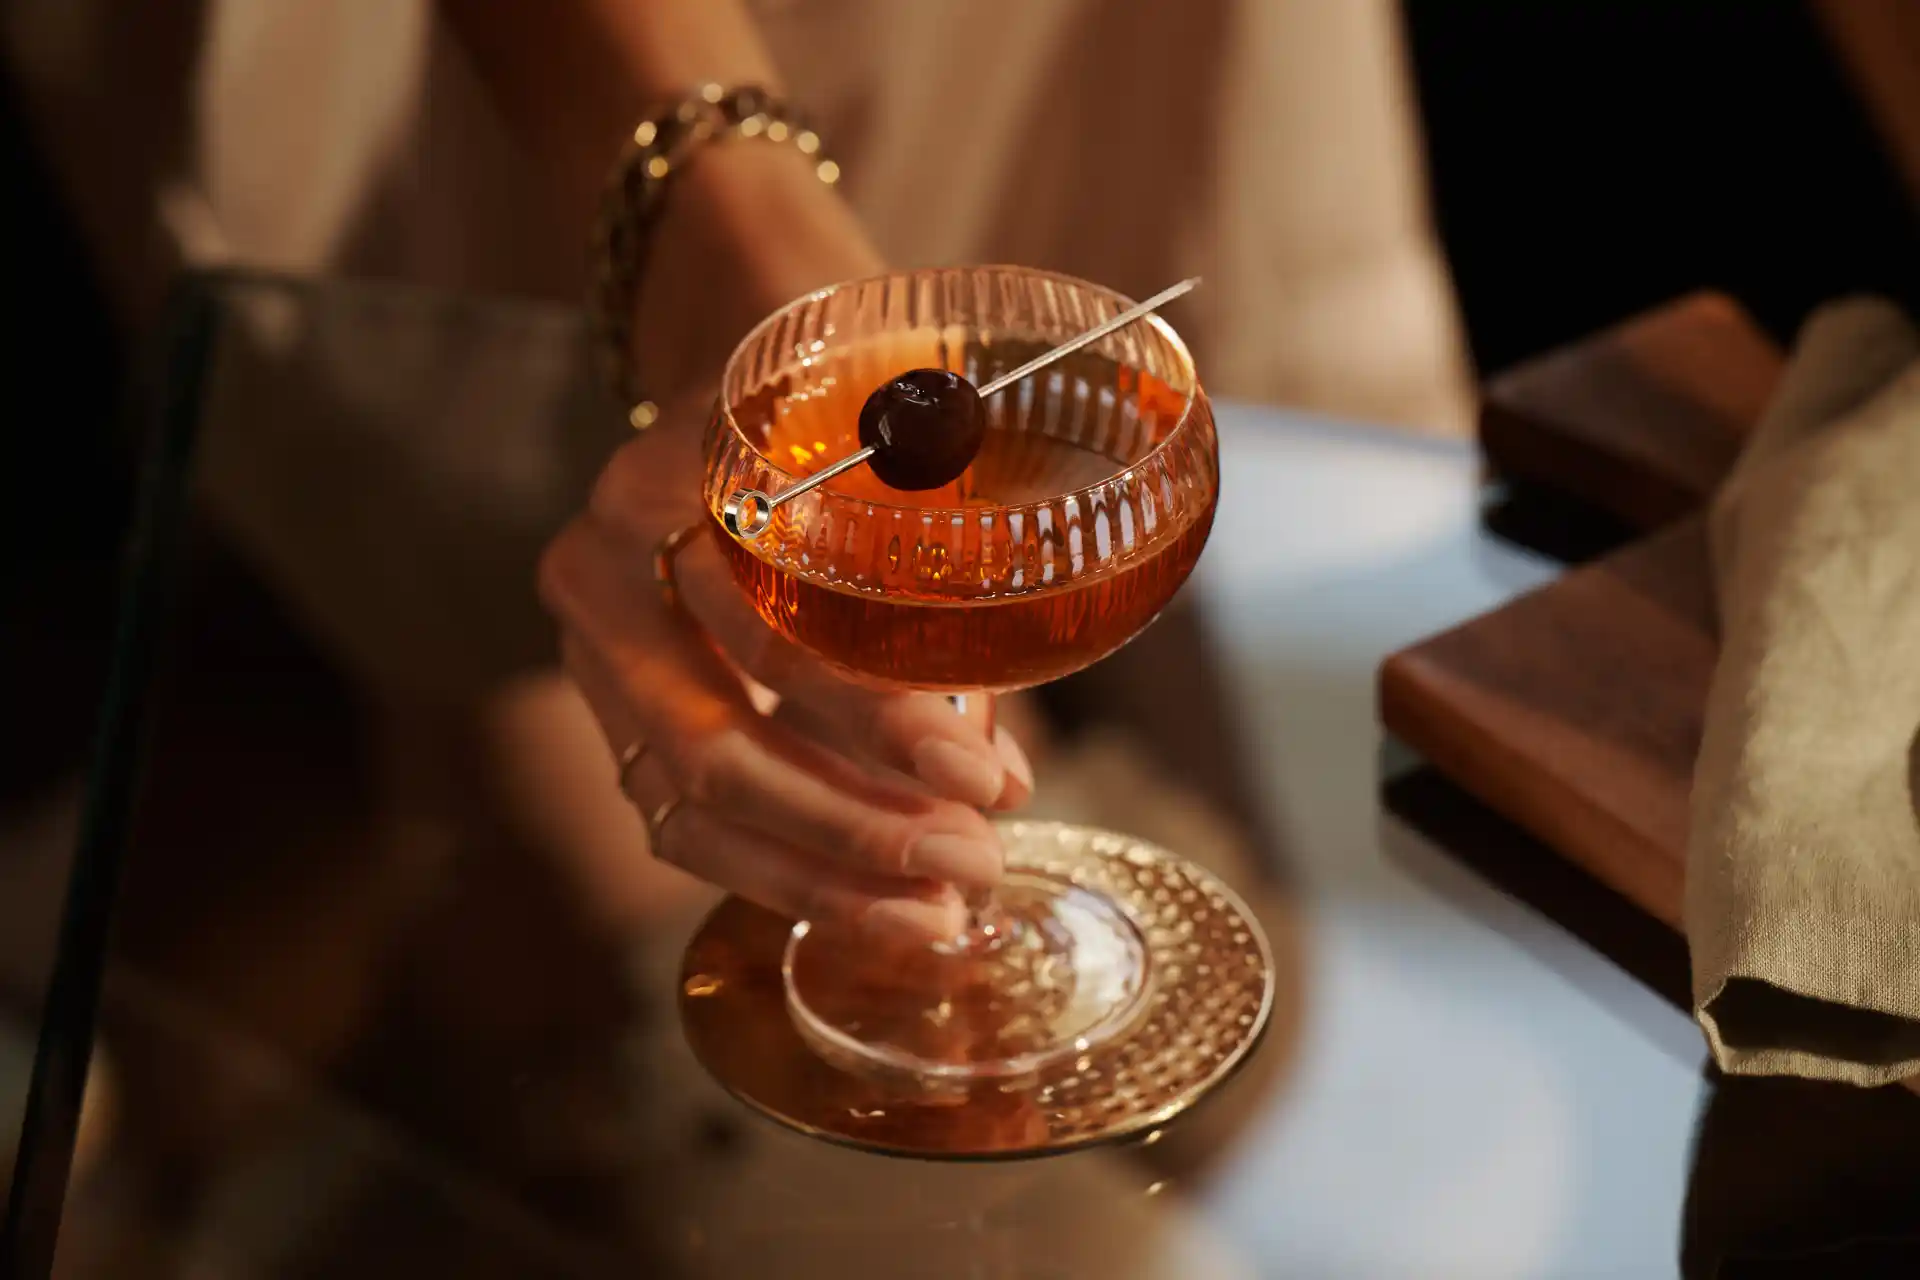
(1507, 1099)
(1457, 1086)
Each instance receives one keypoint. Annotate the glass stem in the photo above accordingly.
(986, 920)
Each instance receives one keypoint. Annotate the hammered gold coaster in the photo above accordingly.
(1211, 991)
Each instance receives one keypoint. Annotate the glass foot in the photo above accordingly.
(1152, 963)
(1058, 970)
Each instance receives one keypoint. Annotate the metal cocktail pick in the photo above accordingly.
(748, 512)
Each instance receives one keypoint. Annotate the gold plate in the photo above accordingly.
(1212, 985)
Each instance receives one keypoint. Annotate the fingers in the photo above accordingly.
(769, 781)
(1019, 783)
(848, 805)
(917, 734)
(649, 677)
(653, 484)
(788, 880)
(1009, 781)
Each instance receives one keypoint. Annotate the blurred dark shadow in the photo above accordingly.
(1913, 775)
(65, 482)
(1553, 524)
(65, 502)
(1801, 1178)
(1592, 158)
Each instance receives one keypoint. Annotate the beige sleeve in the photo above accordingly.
(1269, 145)
(1331, 291)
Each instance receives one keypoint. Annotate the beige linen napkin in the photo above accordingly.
(1803, 872)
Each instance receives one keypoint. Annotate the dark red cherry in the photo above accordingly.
(925, 427)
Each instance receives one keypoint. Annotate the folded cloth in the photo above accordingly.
(1803, 868)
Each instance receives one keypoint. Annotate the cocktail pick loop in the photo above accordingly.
(748, 512)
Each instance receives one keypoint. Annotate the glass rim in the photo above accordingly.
(783, 477)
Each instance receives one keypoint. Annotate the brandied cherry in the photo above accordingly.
(924, 426)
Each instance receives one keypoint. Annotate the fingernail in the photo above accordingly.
(959, 773)
(1019, 784)
(951, 858)
(914, 920)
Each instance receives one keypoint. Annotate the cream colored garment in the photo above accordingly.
(1267, 144)
(1803, 874)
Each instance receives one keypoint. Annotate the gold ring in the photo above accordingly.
(656, 824)
(663, 556)
(634, 753)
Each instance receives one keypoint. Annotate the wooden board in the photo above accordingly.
(1640, 421)
(1575, 710)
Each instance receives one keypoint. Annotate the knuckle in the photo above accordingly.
(881, 844)
(625, 497)
(869, 719)
(822, 902)
(707, 765)
(613, 488)
(669, 843)
(760, 651)
(891, 727)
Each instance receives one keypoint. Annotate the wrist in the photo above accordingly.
(574, 78)
(747, 227)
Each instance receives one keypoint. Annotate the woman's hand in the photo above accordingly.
(824, 801)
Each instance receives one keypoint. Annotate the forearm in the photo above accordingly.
(747, 225)
(572, 77)
(748, 228)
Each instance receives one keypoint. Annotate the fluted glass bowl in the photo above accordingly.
(1083, 514)
(1081, 518)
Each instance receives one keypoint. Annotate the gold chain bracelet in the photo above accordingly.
(636, 194)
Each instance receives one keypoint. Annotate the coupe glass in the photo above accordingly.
(1085, 510)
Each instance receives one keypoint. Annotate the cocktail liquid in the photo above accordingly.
(1045, 556)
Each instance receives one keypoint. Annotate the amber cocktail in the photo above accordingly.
(1042, 558)
(1085, 510)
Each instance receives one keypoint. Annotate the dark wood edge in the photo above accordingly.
(1580, 469)
(1535, 430)
(1556, 814)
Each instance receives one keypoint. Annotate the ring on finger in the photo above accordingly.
(657, 823)
(635, 752)
(663, 557)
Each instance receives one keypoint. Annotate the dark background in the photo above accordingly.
(1591, 158)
